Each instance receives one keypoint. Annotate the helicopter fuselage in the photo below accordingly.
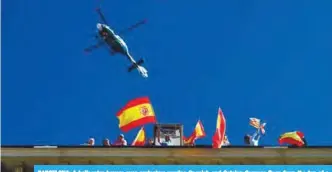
(114, 41)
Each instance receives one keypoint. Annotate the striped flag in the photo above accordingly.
(197, 133)
(140, 138)
(219, 135)
(256, 123)
(136, 113)
(292, 138)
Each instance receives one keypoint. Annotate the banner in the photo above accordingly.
(183, 168)
(171, 130)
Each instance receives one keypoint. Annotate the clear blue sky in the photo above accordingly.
(265, 59)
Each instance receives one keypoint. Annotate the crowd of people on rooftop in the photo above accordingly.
(139, 112)
(249, 140)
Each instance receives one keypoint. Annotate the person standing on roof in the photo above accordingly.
(226, 141)
(106, 142)
(91, 141)
(121, 141)
(150, 143)
(252, 140)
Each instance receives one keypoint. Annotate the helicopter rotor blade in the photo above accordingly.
(93, 47)
(134, 26)
(102, 17)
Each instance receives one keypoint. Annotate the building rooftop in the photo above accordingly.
(13, 156)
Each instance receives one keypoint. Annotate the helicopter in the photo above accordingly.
(116, 45)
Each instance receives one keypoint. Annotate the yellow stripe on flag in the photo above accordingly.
(137, 112)
(292, 135)
(199, 130)
(140, 138)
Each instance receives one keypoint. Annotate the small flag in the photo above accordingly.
(140, 138)
(256, 123)
(198, 133)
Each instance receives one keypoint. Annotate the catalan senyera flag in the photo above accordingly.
(219, 135)
(136, 113)
(292, 138)
(197, 133)
(140, 138)
(255, 122)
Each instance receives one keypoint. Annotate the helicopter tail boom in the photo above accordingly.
(141, 70)
(134, 65)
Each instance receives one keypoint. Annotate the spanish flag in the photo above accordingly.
(140, 138)
(219, 135)
(198, 133)
(136, 113)
(292, 138)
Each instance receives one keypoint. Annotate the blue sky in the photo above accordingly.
(265, 59)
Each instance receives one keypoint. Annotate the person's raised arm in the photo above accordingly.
(256, 135)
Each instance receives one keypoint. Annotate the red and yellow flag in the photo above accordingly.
(219, 135)
(197, 133)
(136, 113)
(140, 138)
(292, 138)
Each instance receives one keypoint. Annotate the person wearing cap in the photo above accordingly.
(121, 141)
(226, 142)
(91, 141)
(106, 142)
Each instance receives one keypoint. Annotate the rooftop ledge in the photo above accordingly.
(165, 155)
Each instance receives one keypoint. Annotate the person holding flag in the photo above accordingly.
(253, 140)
